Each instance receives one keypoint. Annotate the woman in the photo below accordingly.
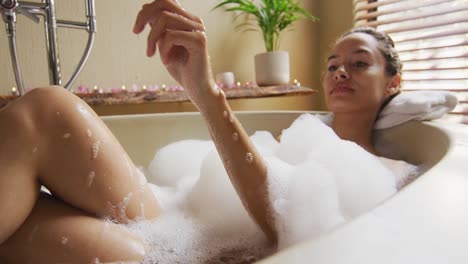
(66, 139)
(363, 73)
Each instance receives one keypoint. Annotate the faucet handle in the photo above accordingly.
(8, 4)
(28, 14)
(11, 6)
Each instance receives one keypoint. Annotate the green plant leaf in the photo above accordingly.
(271, 17)
(250, 29)
(245, 24)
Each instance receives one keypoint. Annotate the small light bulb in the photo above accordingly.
(144, 87)
(238, 84)
(123, 87)
(95, 88)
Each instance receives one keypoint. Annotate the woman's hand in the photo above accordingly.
(180, 37)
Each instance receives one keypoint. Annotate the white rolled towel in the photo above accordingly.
(416, 105)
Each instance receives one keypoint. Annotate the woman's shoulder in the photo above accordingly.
(403, 171)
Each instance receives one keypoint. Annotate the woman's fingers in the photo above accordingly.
(178, 46)
(150, 12)
(168, 21)
(181, 40)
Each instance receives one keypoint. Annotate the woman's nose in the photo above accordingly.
(341, 74)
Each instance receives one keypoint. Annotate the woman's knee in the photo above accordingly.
(31, 109)
(44, 98)
(53, 108)
(43, 93)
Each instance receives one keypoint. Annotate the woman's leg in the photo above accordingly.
(54, 232)
(51, 137)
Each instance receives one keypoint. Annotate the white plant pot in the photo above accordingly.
(272, 68)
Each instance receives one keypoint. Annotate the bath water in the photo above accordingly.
(316, 182)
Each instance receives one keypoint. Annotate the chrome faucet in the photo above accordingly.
(46, 9)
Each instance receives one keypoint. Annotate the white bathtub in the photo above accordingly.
(426, 222)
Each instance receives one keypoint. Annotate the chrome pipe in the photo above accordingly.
(10, 21)
(9, 8)
(72, 24)
(28, 14)
(82, 62)
(33, 5)
(91, 27)
(91, 15)
(15, 62)
(90, 8)
(52, 44)
(34, 8)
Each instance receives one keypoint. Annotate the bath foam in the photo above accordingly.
(175, 237)
(213, 199)
(332, 181)
(265, 143)
(317, 182)
(177, 161)
(193, 226)
(308, 207)
(203, 220)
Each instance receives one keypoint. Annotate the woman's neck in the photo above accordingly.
(356, 127)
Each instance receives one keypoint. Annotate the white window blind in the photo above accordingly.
(432, 39)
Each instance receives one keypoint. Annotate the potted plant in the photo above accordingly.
(271, 17)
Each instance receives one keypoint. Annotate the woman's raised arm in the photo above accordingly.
(182, 43)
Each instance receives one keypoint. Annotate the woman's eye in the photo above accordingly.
(360, 64)
(332, 68)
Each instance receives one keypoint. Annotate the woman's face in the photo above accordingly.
(355, 79)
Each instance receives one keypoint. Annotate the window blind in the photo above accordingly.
(432, 39)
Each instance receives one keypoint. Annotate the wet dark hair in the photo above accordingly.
(387, 48)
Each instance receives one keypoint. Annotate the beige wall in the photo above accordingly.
(118, 57)
(336, 17)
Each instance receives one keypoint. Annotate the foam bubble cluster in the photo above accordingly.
(175, 237)
(329, 181)
(178, 161)
(119, 211)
